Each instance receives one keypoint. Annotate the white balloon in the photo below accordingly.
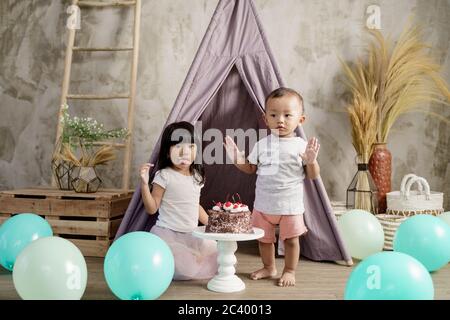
(50, 268)
(362, 233)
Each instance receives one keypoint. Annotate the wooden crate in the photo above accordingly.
(89, 220)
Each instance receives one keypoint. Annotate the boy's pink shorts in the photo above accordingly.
(290, 225)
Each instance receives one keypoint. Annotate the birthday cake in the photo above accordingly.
(230, 217)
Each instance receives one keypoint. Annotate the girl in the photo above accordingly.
(176, 195)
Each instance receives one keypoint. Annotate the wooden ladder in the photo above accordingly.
(130, 96)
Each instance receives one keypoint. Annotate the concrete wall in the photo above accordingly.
(307, 38)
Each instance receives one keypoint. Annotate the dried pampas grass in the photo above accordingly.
(88, 159)
(404, 77)
(363, 117)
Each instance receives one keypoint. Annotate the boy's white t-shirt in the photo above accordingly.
(279, 186)
(179, 208)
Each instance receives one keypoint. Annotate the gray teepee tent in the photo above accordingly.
(226, 86)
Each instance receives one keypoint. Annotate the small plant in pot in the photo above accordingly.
(75, 156)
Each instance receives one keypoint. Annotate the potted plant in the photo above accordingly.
(396, 79)
(75, 156)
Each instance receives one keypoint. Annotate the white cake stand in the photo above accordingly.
(226, 280)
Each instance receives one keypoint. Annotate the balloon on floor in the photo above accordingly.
(50, 268)
(389, 276)
(19, 231)
(362, 233)
(139, 266)
(426, 238)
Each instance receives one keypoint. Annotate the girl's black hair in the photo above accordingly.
(175, 133)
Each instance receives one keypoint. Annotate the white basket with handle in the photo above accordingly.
(407, 202)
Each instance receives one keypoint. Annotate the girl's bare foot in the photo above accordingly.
(287, 279)
(264, 273)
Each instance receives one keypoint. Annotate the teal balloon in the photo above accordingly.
(426, 238)
(19, 231)
(445, 217)
(362, 233)
(50, 268)
(139, 266)
(389, 276)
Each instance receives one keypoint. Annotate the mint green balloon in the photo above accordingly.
(426, 238)
(19, 231)
(445, 217)
(389, 276)
(50, 268)
(362, 233)
(139, 266)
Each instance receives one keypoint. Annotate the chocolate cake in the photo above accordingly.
(229, 218)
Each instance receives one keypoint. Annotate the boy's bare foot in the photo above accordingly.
(263, 273)
(287, 279)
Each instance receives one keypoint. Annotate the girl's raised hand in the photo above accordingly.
(311, 152)
(144, 172)
(233, 152)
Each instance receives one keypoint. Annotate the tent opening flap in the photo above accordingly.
(231, 108)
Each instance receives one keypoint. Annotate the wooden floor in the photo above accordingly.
(314, 281)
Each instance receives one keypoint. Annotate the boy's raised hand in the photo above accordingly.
(144, 172)
(233, 152)
(311, 152)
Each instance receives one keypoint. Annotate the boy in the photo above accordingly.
(281, 161)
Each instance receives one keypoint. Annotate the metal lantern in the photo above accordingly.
(85, 179)
(62, 171)
(362, 193)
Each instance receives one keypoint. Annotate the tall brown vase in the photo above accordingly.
(380, 167)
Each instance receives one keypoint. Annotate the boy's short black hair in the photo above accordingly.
(283, 91)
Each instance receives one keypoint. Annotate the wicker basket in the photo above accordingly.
(390, 224)
(408, 203)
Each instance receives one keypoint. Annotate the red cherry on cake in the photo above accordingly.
(236, 206)
(219, 204)
(228, 205)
